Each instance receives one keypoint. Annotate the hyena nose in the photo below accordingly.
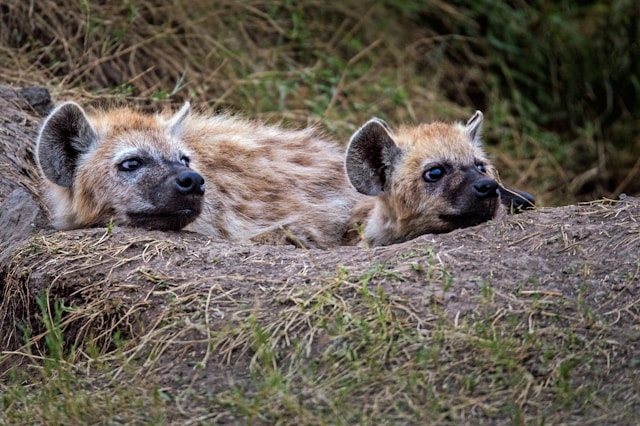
(190, 182)
(485, 188)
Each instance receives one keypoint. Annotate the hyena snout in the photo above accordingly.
(485, 188)
(190, 183)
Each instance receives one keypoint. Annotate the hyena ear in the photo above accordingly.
(474, 128)
(176, 123)
(65, 135)
(371, 156)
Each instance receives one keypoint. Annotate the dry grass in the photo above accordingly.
(311, 63)
(301, 63)
(198, 331)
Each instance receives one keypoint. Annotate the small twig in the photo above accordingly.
(540, 292)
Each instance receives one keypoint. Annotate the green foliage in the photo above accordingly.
(54, 391)
(558, 81)
(568, 71)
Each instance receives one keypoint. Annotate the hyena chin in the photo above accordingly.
(430, 178)
(121, 166)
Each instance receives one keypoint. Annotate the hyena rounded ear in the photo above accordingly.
(474, 128)
(371, 156)
(176, 123)
(65, 135)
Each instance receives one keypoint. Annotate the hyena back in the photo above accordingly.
(430, 178)
(263, 183)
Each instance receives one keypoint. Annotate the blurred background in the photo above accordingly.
(558, 81)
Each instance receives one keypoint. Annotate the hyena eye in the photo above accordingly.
(130, 165)
(481, 167)
(433, 174)
(185, 161)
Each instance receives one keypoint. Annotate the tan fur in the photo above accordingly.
(408, 206)
(263, 183)
(263, 179)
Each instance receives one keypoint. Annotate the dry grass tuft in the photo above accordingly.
(301, 63)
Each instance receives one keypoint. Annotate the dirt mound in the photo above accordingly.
(19, 198)
(565, 277)
(589, 251)
(530, 317)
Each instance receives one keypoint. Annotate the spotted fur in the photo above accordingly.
(242, 180)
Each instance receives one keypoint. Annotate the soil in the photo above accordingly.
(125, 278)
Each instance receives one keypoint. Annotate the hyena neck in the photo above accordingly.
(70, 211)
(381, 226)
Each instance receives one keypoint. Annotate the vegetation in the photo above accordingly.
(135, 327)
(527, 321)
(558, 81)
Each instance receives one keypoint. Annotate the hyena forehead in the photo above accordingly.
(118, 121)
(154, 144)
(439, 142)
(127, 134)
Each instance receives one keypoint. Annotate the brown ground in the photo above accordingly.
(567, 276)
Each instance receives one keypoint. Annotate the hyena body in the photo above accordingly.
(430, 178)
(263, 183)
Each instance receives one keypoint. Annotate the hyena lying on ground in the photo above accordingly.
(429, 178)
(263, 183)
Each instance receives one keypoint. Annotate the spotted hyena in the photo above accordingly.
(223, 176)
(430, 178)
(242, 180)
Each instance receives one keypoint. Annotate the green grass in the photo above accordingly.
(343, 350)
(57, 383)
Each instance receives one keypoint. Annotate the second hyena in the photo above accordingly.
(429, 178)
(223, 176)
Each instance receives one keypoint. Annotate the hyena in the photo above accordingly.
(430, 178)
(223, 176)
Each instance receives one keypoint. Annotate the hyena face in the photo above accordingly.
(121, 165)
(429, 178)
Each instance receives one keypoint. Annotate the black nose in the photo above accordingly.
(190, 182)
(485, 188)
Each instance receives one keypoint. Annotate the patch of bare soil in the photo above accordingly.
(559, 284)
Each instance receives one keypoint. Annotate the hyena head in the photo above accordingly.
(429, 178)
(121, 165)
